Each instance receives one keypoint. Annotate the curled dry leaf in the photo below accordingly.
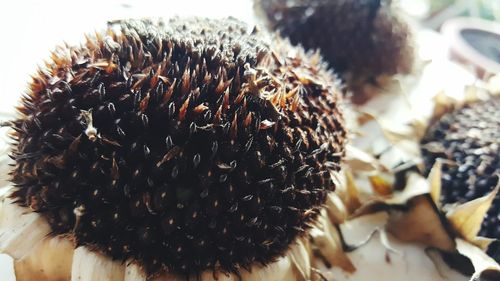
(466, 219)
(421, 222)
(401, 136)
(385, 258)
(329, 242)
(443, 104)
(358, 231)
(360, 161)
(415, 185)
(413, 215)
(480, 260)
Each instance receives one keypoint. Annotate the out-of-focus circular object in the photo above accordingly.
(474, 42)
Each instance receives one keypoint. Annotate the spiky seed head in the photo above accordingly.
(184, 146)
(468, 140)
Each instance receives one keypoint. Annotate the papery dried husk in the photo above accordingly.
(328, 241)
(89, 265)
(20, 228)
(50, 260)
(300, 258)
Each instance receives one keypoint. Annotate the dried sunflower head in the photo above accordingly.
(467, 142)
(183, 146)
(363, 39)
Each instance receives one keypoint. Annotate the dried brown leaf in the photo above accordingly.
(358, 231)
(421, 223)
(466, 219)
(360, 161)
(416, 185)
(402, 136)
(328, 240)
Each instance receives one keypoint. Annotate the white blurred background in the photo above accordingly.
(30, 29)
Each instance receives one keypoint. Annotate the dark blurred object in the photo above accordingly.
(361, 39)
(474, 42)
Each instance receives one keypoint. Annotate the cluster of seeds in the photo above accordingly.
(468, 141)
(184, 146)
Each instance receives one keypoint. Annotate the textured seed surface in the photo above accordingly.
(469, 139)
(185, 146)
(365, 37)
